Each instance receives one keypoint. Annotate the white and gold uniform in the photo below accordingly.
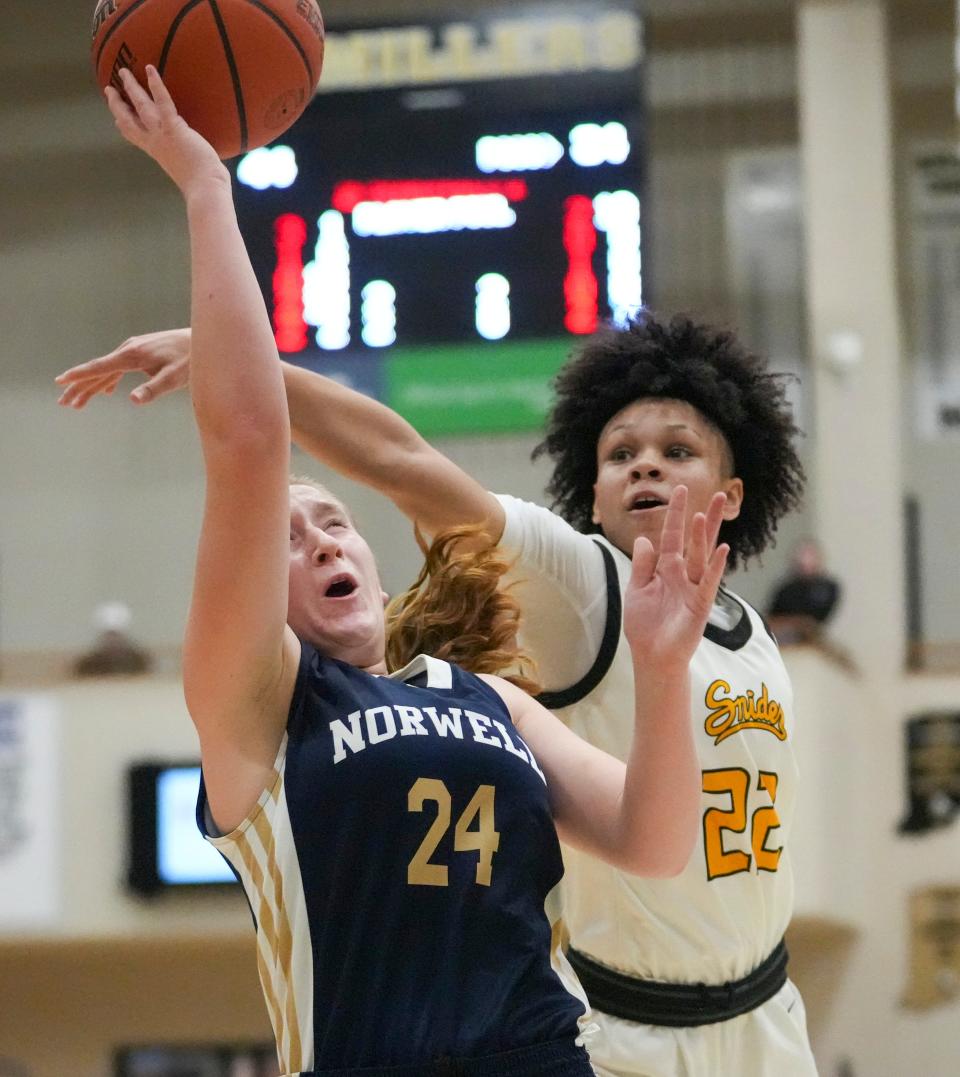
(726, 913)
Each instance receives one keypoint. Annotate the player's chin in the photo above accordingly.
(625, 538)
(353, 633)
(648, 525)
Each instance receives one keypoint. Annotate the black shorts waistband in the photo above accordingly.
(560, 1058)
(650, 1002)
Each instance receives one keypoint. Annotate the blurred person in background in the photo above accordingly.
(805, 599)
(114, 652)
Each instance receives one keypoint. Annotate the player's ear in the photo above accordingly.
(733, 488)
(595, 514)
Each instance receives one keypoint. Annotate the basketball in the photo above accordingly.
(239, 71)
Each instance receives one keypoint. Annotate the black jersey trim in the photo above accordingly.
(608, 645)
(650, 1002)
(731, 638)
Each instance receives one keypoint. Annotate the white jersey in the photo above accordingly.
(729, 908)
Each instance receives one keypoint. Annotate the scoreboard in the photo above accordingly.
(457, 205)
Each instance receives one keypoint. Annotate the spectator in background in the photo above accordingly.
(113, 652)
(805, 599)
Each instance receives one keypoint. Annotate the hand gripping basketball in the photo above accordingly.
(241, 71)
(149, 120)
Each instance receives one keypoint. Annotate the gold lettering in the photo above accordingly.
(483, 837)
(566, 47)
(392, 66)
(507, 43)
(730, 715)
(618, 40)
(720, 716)
(462, 53)
(420, 870)
(346, 62)
(421, 60)
(514, 48)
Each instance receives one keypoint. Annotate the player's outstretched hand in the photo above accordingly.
(149, 120)
(669, 596)
(164, 357)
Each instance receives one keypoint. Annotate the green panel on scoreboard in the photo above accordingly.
(474, 389)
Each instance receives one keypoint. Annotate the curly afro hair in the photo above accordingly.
(678, 360)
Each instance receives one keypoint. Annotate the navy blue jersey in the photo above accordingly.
(402, 869)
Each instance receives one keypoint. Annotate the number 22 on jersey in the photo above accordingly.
(483, 838)
(734, 783)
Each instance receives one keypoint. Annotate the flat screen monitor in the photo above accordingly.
(166, 849)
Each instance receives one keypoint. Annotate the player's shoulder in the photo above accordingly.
(603, 543)
(549, 552)
(523, 516)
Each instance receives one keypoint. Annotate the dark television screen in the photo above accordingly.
(166, 850)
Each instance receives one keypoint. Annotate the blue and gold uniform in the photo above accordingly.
(402, 869)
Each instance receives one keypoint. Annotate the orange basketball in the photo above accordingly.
(240, 71)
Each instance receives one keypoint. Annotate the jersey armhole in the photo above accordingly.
(566, 697)
(731, 638)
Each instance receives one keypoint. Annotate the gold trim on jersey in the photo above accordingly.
(559, 941)
(276, 933)
(254, 854)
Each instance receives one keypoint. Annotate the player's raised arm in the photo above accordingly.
(370, 443)
(642, 817)
(349, 432)
(238, 652)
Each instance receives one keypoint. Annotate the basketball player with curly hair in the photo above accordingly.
(687, 975)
